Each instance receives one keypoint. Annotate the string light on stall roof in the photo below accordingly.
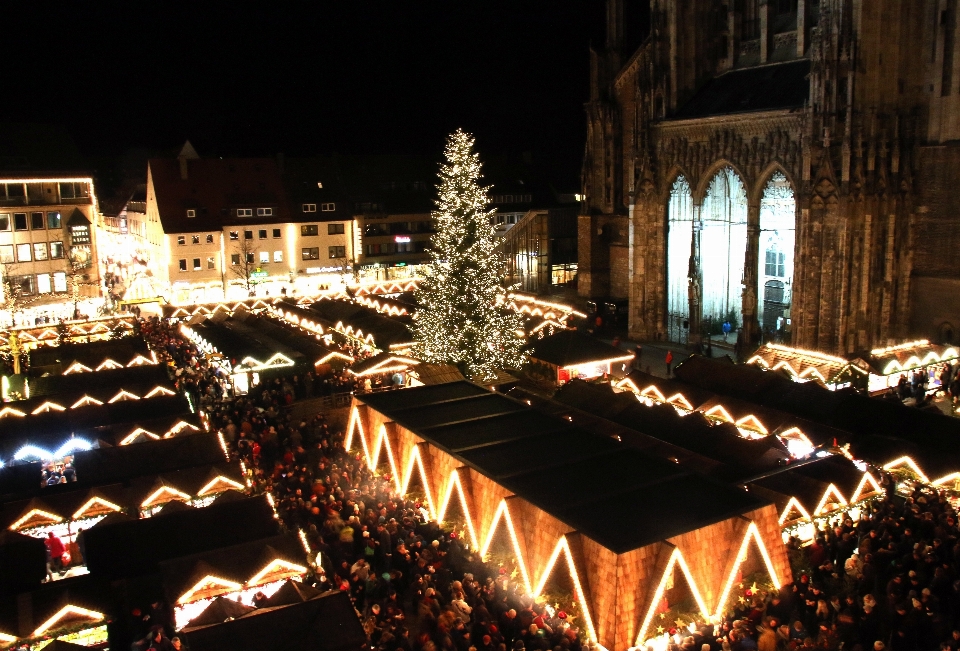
(904, 346)
(68, 611)
(47, 407)
(221, 482)
(33, 513)
(86, 401)
(207, 582)
(910, 463)
(96, 501)
(277, 564)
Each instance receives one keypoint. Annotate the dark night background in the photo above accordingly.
(132, 78)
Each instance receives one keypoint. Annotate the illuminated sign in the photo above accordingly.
(401, 239)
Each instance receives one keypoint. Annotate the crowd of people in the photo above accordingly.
(886, 581)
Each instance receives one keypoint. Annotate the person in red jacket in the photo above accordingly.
(669, 361)
(55, 551)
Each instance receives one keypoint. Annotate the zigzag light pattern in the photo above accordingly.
(503, 512)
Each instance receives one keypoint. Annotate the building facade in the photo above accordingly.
(225, 229)
(48, 239)
(540, 249)
(781, 164)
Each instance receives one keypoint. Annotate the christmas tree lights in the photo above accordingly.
(462, 320)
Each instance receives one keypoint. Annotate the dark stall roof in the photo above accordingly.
(880, 431)
(92, 354)
(572, 347)
(107, 465)
(102, 385)
(312, 348)
(327, 623)
(764, 88)
(220, 610)
(386, 330)
(109, 551)
(534, 454)
(231, 343)
(23, 562)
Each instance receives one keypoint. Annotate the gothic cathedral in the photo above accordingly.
(790, 167)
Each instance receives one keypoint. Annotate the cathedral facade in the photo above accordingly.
(789, 167)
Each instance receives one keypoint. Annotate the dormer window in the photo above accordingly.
(244, 212)
(191, 213)
(264, 212)
(328, 207)
(309, 207)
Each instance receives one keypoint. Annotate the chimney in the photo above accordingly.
(186, 153)
(183, 167)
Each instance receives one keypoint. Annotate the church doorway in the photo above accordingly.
(723, 247)
(679, 251)
(778, 224)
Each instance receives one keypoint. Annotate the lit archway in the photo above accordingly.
(679, 248)
(723, 246)
(778, 224)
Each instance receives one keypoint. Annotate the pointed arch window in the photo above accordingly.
(679, 249)
(778, 226)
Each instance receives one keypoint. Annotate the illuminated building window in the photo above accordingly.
(181, 240)
(278, 256)
(264, 256)
(311, 253)
(209, 239)
(56, 250)
(24, 253)
(183, 264)
(309, 230)
(234, 235)
(6, 253)
(40, 251)
(338, 251)
(211, 263)
(43, 284)
(54, 220)
(60, 281)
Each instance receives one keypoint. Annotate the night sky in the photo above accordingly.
(307, 77)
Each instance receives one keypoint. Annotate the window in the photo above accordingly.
(39, 250)
(195, 239)
(234, 235)
(191, 213)
(26, 283)
(73, 190)
(36, 221)
(264, 257)
(59, 282)
(264, 212)
(209, 239)
(328, 207)
(309, 207)
(311, 253)
(276, 233)
(4, 221)
(248, 235)
(196, 264)
(56, 250)
(43, 283)
(338, 252)
(19, 221)
(278, 256)
(244, 212)
(250, 258)
(181, 240)
(309, 229)
(6, 253)
(775, 263)
(211, 263)
(334, 229)
(262, 234)
(183, 264)
(53, 220)
(234, 258)
(23, 252)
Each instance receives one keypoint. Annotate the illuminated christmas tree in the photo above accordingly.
(462, 319)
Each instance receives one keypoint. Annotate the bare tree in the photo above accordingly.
(77, 278)
(246, 262)
(15, 300)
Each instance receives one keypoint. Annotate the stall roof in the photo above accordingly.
(310, 347)
(111, 553)
(880, 431)
(235, 343)
(803, 364)
(386, 331)
(102, 385)
(906, 356)
(327, 623)
(573, 348)
(123, 351)
(534, 454)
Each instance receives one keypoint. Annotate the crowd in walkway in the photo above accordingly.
(415, 587)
